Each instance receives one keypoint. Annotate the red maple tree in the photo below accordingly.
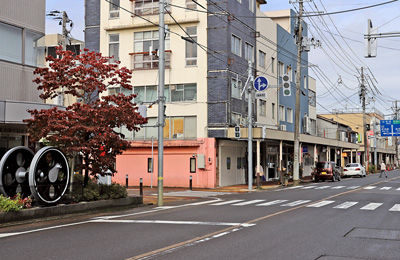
(90, 127)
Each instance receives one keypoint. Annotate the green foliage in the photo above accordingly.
(371, 168)
(14, 204)
(94, 191)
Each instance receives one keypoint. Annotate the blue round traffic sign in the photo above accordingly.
(260, 83)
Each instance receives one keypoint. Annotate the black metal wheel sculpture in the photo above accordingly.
(49, 175)
(14, 168)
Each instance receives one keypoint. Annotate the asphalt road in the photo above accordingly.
(355, 218)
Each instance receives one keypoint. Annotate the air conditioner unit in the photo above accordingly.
(283, 127)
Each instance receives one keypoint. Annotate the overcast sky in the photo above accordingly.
(342, 53)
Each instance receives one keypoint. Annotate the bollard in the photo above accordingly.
(190, 183)
(126, 181)
(141, 187)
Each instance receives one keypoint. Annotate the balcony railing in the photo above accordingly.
(147, 60)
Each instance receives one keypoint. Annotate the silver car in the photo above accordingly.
(354, 169)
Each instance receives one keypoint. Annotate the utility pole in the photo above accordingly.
(250, 126)
(395, 138)
(64, 29)
(366, 157)
(297, 110)
(161, 100)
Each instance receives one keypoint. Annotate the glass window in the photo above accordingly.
(261, 59)
(10, 43)
(190, 4)
(31, 48)
(190, 127)
(151, 93)
(114, 8)
(236, 45)
(273, 110)
(236, 86)
(281, 70)
(251, 5)
(146, 7)
(312, 98)
(145, 46)
(289, 112)
(263, 107)
(183, 92)
(248, 51)
(167, 129)
(272, 64)
(235, 118)
(177, 128)
(282, 113)
(114, 48)
(191, 48)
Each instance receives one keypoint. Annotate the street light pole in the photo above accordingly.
(250, 126)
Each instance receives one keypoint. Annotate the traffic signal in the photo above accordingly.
(286, 86)
(237, 131)
(368, 127)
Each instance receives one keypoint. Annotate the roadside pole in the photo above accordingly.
(250, 126)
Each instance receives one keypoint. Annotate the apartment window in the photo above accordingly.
(236, 86)
(248, 51)
(149, 94)
(175, 128)
(13, 44)
(305, 82)
(282, 113)
(191, 5)
(281, 70)
(251, 6)
(261, 59)
(289, 113)
(236, 45)
(191, 48)
(146, 7)
(114, 9)
(114, 48)
(235, 118)
(145, 50)
(312, 98)
(263, 107)
(183, 92)
(273, 110)
(272, 64)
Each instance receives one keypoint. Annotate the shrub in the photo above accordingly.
(94, 191)
(15, 203)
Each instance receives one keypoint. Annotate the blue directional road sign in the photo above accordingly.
(260, 83)
(390, 127)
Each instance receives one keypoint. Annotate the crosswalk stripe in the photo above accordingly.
(371, 206)
(337, 187)
(321, 204)
(247, 202)
(295, 203)
(269, 203)
(346, 205)
(308, 187)
(398, 189)
(385, 188)
(353, 187)
(225, 202)
(322, 187)
(396, 207)
(370, 188)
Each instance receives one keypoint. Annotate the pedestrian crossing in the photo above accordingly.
(308, 204)
(327, 187)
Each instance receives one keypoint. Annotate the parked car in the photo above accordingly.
(354, 169)
(326, 171)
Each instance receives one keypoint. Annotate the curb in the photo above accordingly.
(62, 209)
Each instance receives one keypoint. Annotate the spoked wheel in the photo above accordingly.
(49, 175)
(14, 167)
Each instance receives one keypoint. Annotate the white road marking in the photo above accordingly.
(225, 202)
(370, 188)
(322, 187)
(353, 187)
(308, 187)
(247, 202)
(295, 203)
(269, 203)
(385, 188)
(321, 204)
(396, 207)
(172, 222)
(346, 205)
(8, 234)
(398, 189)
(337, 187)
(371, 206)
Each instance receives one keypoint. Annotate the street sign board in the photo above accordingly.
(261, 95)
(390, 127)
(260, 83)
